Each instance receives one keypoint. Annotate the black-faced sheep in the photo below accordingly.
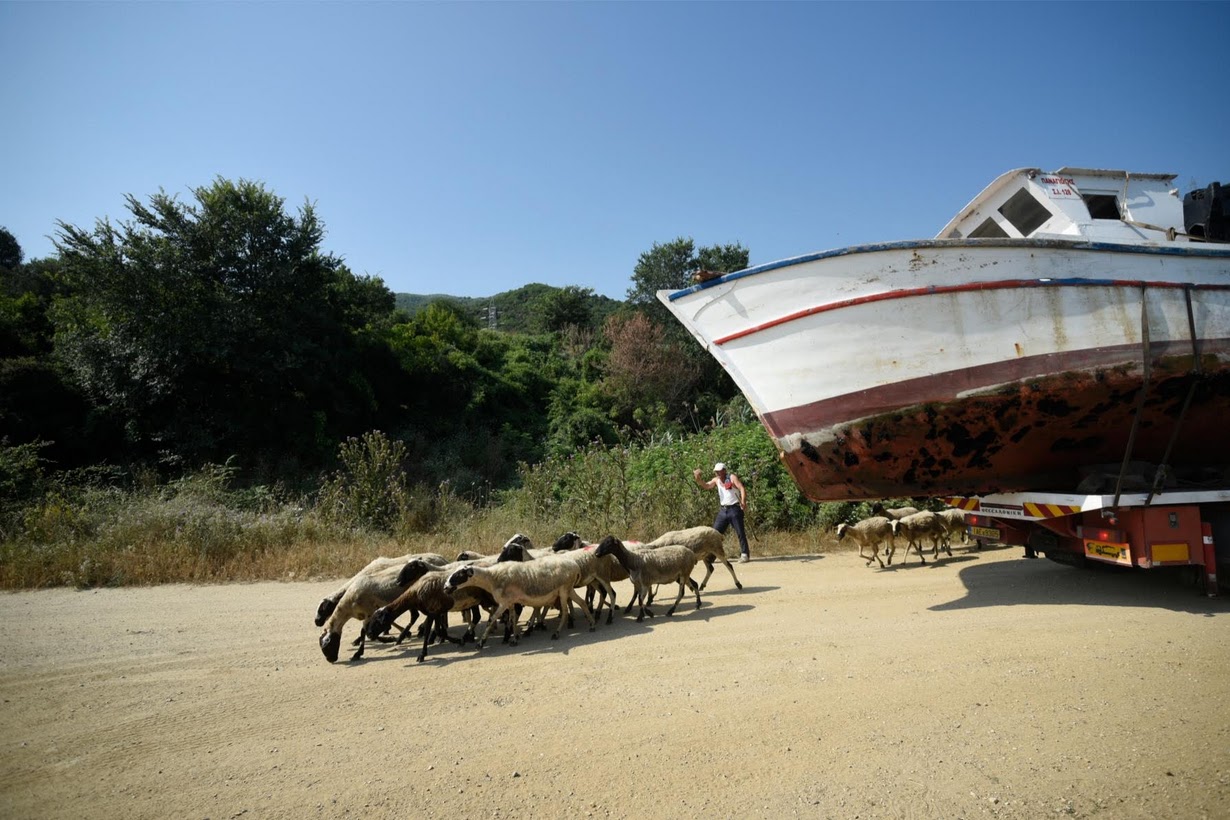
(541, 582)
(706, 542)
(598, 573)
(426, 594)
(517, 548)
(870, 534)
(662, 565)
(364, 595)
(329, 603)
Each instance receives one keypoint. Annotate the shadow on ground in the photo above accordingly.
(1023, 582)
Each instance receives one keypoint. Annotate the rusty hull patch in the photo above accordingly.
(1036, 435)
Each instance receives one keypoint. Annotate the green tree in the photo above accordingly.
(217, 326)
(669, 266)
(570, 305)
(665, 266)
(722, 258)
(10, 251)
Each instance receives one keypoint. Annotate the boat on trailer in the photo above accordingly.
(1061, 325)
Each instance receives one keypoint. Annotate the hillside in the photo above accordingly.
(515, 310)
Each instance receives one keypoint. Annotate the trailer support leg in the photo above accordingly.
(1210, 560)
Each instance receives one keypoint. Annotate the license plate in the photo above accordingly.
(985, 532)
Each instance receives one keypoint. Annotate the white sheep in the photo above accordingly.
(916, 527)
(364, 595)
(895, 513)
(706, 542)
(954, 524)
(329, 603)
(540, 582)
(870, 534)
(661, 565)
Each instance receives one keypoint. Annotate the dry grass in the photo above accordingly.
(197, 531)
(264, 548)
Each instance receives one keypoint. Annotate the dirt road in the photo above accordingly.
(982, 685)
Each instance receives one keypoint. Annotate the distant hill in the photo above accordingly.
(514, 309)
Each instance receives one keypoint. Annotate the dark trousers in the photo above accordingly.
(732, 516)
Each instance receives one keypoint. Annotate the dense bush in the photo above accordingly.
(646, 487)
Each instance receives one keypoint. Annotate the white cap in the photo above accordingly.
(717, 468)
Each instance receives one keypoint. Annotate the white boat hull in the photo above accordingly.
(948, 367)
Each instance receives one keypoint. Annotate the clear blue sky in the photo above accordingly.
(471, 148)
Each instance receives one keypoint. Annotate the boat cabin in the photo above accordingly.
(1080, 204)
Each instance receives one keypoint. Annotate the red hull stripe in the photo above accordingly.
(946, 386)
(1003, 284)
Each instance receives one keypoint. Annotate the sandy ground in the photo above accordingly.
(982, 685)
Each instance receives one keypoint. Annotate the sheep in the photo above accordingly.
(706, 542)
(363, 596)
(869, 534)
(426, 594)
(597, 572)
(670, 563)
(895, 513)
(328, 604)
(915, 527)
(954, 523)
(372, 587)
(540, 582)
(516, 548)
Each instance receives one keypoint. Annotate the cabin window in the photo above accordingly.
(988, 230)
(1101, 206)
(1025, 212)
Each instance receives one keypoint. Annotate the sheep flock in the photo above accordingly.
(520, 583)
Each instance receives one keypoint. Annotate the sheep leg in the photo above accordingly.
(589, 597)
(610, 612)
(495, 616)
(414, 616)
(595, 589)
(564, 612)
(426, 638)
(442, 630)
(581, 603)
(678, 597)
(695, 589)
(441, 627)
(708, 571)
(641, 598)
(730, 567)
(362, 643)
(472, 619)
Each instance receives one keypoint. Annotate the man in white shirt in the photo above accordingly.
(733, 499)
